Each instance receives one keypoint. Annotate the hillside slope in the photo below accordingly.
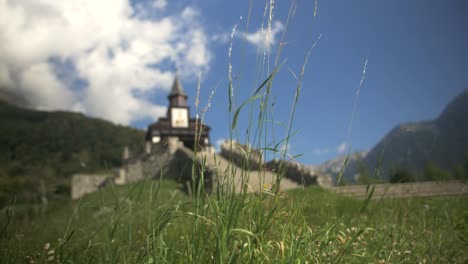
(443, 141)
(44, 146)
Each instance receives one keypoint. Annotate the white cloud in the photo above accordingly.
(221, 38)
(263, 38)
(119, 51)
(51, 94)
(321, 151)
(5, 78)
(159, 4)
(341, 149)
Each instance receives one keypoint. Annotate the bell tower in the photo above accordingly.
(177, 123)
(177, 97)
(178, 110)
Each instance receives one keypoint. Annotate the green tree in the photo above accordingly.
(466, 165)
(459, 172)
(433, 172)
(363, 174)
(398, 175)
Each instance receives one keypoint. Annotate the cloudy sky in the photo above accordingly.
(116, 59)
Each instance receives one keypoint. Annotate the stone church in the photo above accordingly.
(177, 144)
(178, 123)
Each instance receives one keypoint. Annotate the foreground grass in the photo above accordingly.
(153, 222)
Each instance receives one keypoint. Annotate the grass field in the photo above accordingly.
(154, 222)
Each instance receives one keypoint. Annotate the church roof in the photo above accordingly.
(177, 88)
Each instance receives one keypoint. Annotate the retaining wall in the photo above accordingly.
(402, 190)
(86, 183)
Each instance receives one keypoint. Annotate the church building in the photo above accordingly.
(177, 123)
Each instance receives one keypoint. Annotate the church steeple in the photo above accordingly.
(177, 123)
(177, 87)
(177, 97)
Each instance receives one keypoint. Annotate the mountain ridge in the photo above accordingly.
(412, 145)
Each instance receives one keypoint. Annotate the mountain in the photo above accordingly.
(412, 146)
(40, 150)
(334, 166)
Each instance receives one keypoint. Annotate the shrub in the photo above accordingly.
(400, 175)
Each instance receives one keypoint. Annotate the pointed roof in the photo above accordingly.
(177, 88)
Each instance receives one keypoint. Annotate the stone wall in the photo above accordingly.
(151, 164)
(181, 165)
(298, 173)
(86, 183)
(402, 190)
(169, 158)
(134, 171)
(172, 160)
(242, 155)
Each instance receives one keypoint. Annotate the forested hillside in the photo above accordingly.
(41, 150)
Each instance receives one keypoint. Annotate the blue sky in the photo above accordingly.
(116, 60)
(417, 62)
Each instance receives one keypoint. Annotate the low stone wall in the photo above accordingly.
(134, 171)
(228, 177)
(242, 155)
(86, 183)
(403, 190)
(149, 165)
(181, 165)
(299, 174)
(171, 159)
